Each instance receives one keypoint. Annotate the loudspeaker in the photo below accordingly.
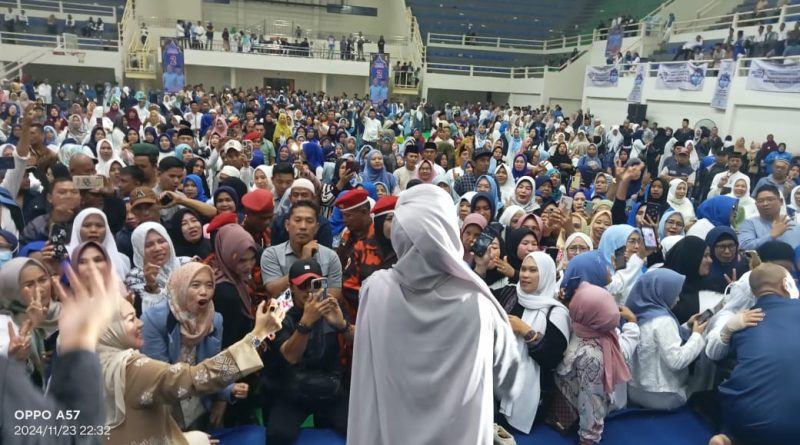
(637, 112)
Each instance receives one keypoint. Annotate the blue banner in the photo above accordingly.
(378, 78)
(614, 42)
(172, 64)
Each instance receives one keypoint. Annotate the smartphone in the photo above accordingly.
(59, 238)
(653, 211)
(553, 252)
(165, 199)
(588, 207)
(352, 166)
(704, 316)
(7, 163)
(88, 182)
(482, 243)
(566, 202)
(320, 284)
(650, 240)
(619, 258)
(99, 121)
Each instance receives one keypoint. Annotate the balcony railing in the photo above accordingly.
(60, 7)
(17, 38)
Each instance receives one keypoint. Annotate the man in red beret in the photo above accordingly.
(259, 208)
(359, 251)
(382, 216)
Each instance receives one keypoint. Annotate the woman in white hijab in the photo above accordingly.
(106, 156)
(505, 181)
(463, 206)
(154, 261)
(437, 304)
(542, 328)
(91, 225)
(525, 194)
(676, 198)
(740, 189)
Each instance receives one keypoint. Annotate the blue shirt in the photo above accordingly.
(760, 398)
(755, 231)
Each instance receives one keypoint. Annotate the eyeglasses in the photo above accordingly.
(674, 224)
(577, 249)
(730, 247)
(633, 242)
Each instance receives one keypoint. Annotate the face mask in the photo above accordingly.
(5, 256)
(791, 287)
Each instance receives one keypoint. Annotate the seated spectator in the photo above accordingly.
(770, 224)
(660, 365)
(754, 407)
(306, 354)
(301, 190)
(595, 364)
(186, 329)
(154, 260)
(542, 328)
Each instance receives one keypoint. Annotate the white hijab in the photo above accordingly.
(531, 205)
(437, 304)
(508, 215)
(520, 411)
(138, 238)
(746, 202)
(507, 189)
(680, 205)
(121, 262)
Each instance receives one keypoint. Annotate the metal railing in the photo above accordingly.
(49, 40)
(60, 7)
(490, 71)
(496, 42)
(737, 20)
(274, 49)
(742, 65)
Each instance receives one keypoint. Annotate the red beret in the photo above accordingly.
(384, 205)
(252, 136)
(223, 219)
(352, 199)
(259, 201)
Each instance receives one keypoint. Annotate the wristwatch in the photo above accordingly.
(254, 341)
(303, 329)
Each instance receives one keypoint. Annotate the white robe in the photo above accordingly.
(430, 338)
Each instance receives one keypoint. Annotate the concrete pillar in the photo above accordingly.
(233, 77)
(324, 82)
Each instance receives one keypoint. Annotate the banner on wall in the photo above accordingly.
(378, 77)
(727, 69)
(602, 76)
(614, 42)
(635, 97)
(681, 76)
(773, 76)
(173, 75)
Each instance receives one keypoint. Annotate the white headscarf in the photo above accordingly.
(575, 235)
(681, 205)
(746, 202)
(103, 167)
(138, 239)
(437, 301)
(508, 214)
(507, 189)
(465, 197)
(521, 410)
(531, 205)
(121, 262)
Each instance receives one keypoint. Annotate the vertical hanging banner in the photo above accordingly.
(727, 70)
(635, 96)
(602, 76)
(173, 74)
(378, 77)
(681, 76)
(614, 41)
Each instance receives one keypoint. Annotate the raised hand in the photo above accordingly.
(19, 345)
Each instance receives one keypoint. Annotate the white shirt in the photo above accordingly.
(692, 44)
(371, 129)
(661, 363)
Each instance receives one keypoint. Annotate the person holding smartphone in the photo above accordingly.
(306, 352)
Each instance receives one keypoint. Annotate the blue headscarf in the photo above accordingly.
(382, 176)
(198, 182)
(206, 122)
(488, 197)
(662, 224)
(314, 155)
(519, 173)
(653, 296)
(235, 196)
(151, 131)
(258, 158)
(49, 140)
(556, 190)
(588, 267)
(180, 149)
(613, 238)
(717, 210)
(715, 280)
(169, 139)
(31, 247)
(632, 213)
(498, 202)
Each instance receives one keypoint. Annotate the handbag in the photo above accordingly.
(311, 386)
(560, 414)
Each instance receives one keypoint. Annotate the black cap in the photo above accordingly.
(411, 147)
(185, 132)
(430, 145)
(478, 153)
(304, 270)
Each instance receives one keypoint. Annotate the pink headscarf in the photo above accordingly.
(433, 171)
(194, 327)
(230, 243)
(595, 314)
(472, 219)
(539, 224)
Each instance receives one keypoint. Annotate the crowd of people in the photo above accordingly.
(401, 272)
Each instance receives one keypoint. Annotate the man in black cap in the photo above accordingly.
(467, 181)
(145, 156)
(411, 158)
(429, 154)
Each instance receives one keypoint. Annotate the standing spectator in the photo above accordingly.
(187, 34)
(23, 19)
(359, 45)
(179, 33)
(99, 28)
(331, 45)
(69, 25)
(381, 45)
(298, 32)
(226, 39)
(209, 36)
(342, 46)
(45, 92)
(143, 33)
(52, 26)
(86, 31)
(199, 35)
